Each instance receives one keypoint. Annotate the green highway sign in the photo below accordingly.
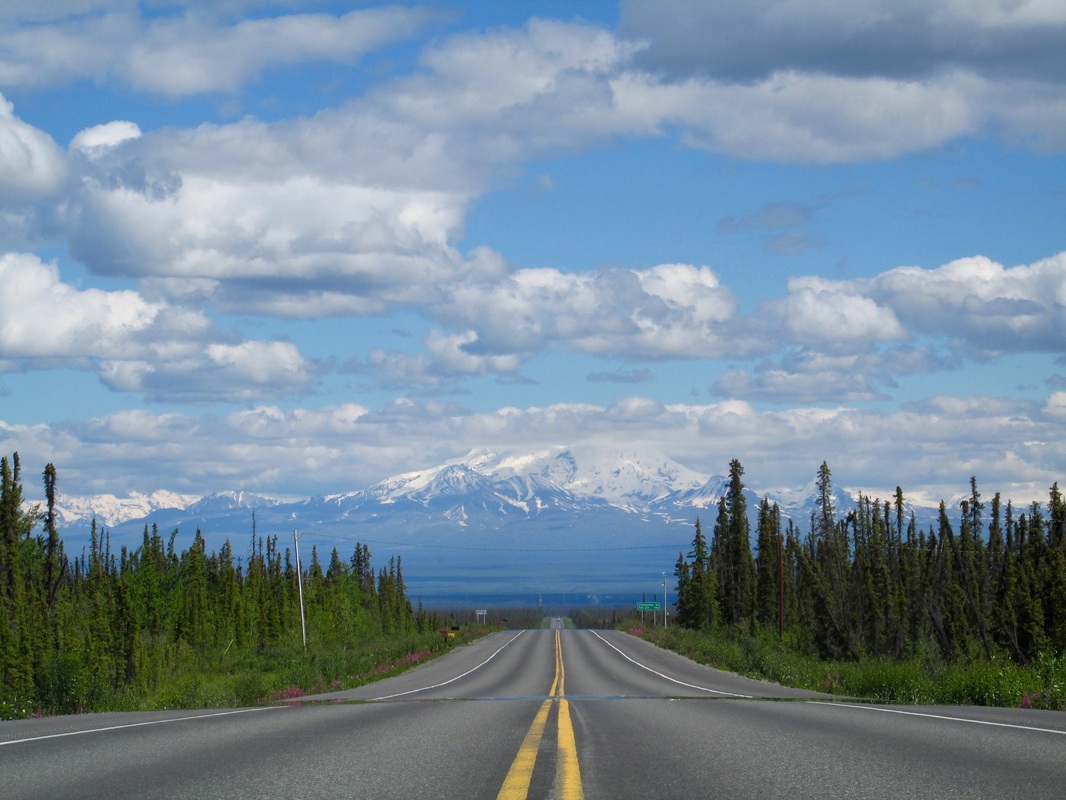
(648, 606)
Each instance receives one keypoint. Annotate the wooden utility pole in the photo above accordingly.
(300, 584)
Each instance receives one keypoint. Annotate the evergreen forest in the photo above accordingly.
(985, 586)
(156, 628)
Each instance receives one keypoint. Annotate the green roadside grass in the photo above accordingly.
(225, 679)
(290, 673)
(917, 680)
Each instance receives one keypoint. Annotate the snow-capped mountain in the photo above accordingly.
(110, 510)
(558, 479)
(626, 479)
(618, 478)
(229, 501)
(536, 484)
(568, 518)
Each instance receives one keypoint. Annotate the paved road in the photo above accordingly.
(555, 714)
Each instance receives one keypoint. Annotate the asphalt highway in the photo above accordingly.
(545, 714)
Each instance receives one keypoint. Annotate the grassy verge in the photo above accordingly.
(291, 674)
(225, 679)
(999, 682)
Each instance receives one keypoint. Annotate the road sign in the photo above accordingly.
(648, 606)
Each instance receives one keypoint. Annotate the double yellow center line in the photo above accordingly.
(567, 770)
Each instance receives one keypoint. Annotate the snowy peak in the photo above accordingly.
(560, 468)
(705, 495)
(451, 481)
(558, 477)
(619, 477)
(447, 480)
(630, 478)
(229, 501)
(110, 510)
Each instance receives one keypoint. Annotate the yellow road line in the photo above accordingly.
(568, 770)
(516, 784)
(557, 684)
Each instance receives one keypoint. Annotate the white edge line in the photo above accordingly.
(667, 677)
(137, 725)
(939, 716)
(450, 680)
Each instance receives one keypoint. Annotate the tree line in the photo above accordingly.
(76, 630)
(985, 582)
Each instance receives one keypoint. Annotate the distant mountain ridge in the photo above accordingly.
(497, 523)
(111, 510)
(624, 478)
(559, 478)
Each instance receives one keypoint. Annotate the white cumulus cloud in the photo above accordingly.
(990, 307)
(135, 345)
(831, 313)
(673, 310)
(32, 167)
(42, 317)
(193, 52)
(106, 135)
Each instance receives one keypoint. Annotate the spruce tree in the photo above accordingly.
(685, 615)
(702, 598)
(731, 551)
(54, 558)
(826, 506)
(767, 563)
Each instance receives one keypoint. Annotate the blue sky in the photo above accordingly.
(296, 247)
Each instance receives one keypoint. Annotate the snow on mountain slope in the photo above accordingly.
(623, 478)
(111, 510)
(486, 485)
(227, 501)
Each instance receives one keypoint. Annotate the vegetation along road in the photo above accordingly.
(549, 713)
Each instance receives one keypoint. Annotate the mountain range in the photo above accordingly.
(565, 523)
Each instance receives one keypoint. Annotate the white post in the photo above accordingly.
(300, 584)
